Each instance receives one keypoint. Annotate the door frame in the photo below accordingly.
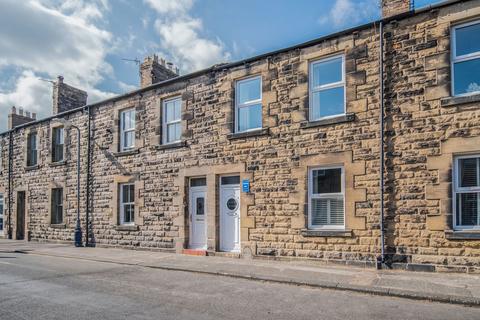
(219, 204)
(191, 191)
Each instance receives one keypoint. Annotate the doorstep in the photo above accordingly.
(194, 252)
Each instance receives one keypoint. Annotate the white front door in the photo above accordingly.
(198, 219)
(230, 214)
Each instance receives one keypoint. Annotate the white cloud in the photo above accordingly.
(125, 87)
(181, 37)
(171, 6)
(348, 13)
(59, 38)
(30, 93)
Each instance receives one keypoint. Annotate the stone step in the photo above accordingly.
(194, 252)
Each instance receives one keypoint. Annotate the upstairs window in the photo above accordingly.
(57, 144)
(466, 59)
(248, 104)
(326, 198)
(172, 120)
(32, 149)
(127, 203)
(467, 192)
(127, 129)
(327, 88)
(57, 206)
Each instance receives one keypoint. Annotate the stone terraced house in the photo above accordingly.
(276, 156)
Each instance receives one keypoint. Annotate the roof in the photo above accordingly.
(223, 66)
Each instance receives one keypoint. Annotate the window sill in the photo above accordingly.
(30, 168)
(126, 228)
(453, 101)
(344, 233)
(58, 226)
(126, 153)
(248, 134)
(58, 163)
(174, 145)
(462, 235)
(349, 117)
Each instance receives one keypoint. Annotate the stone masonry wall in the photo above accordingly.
(4, 177)
(38, 181)
(278, 157)
(271, 159)
(419, 124)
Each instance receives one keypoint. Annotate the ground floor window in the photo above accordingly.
(326, 198)
(467, 192)
(57, 206)
(127, 203)
(1, 212)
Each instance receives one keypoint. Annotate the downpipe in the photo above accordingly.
(10, 182)
(78, 228)
(87, 205)
(381, 258)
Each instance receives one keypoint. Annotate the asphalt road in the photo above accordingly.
(41, 287)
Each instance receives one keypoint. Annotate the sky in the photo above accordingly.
(87, 41)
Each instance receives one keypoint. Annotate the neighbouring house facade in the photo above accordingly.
(279, 155)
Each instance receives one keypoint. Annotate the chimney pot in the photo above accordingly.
(60, 79)
(34, 115)
(16, 119)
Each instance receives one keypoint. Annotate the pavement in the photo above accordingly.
(46, 287)
(452, 288)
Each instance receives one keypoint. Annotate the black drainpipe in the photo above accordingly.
(87, 207)
(10, 191)
(381, 259)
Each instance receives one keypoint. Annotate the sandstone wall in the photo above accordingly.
(424, 129)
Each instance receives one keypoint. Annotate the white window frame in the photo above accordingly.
(457, 189)
(2, 203)
(122, 205)
(311, 196)
(123, 130)
(338, 84)
(165, 123)
(457, 59)
(247, 104)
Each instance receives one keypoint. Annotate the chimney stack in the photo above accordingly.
(66, 97)
(153, 70)
(393, 7)
(16, 119)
